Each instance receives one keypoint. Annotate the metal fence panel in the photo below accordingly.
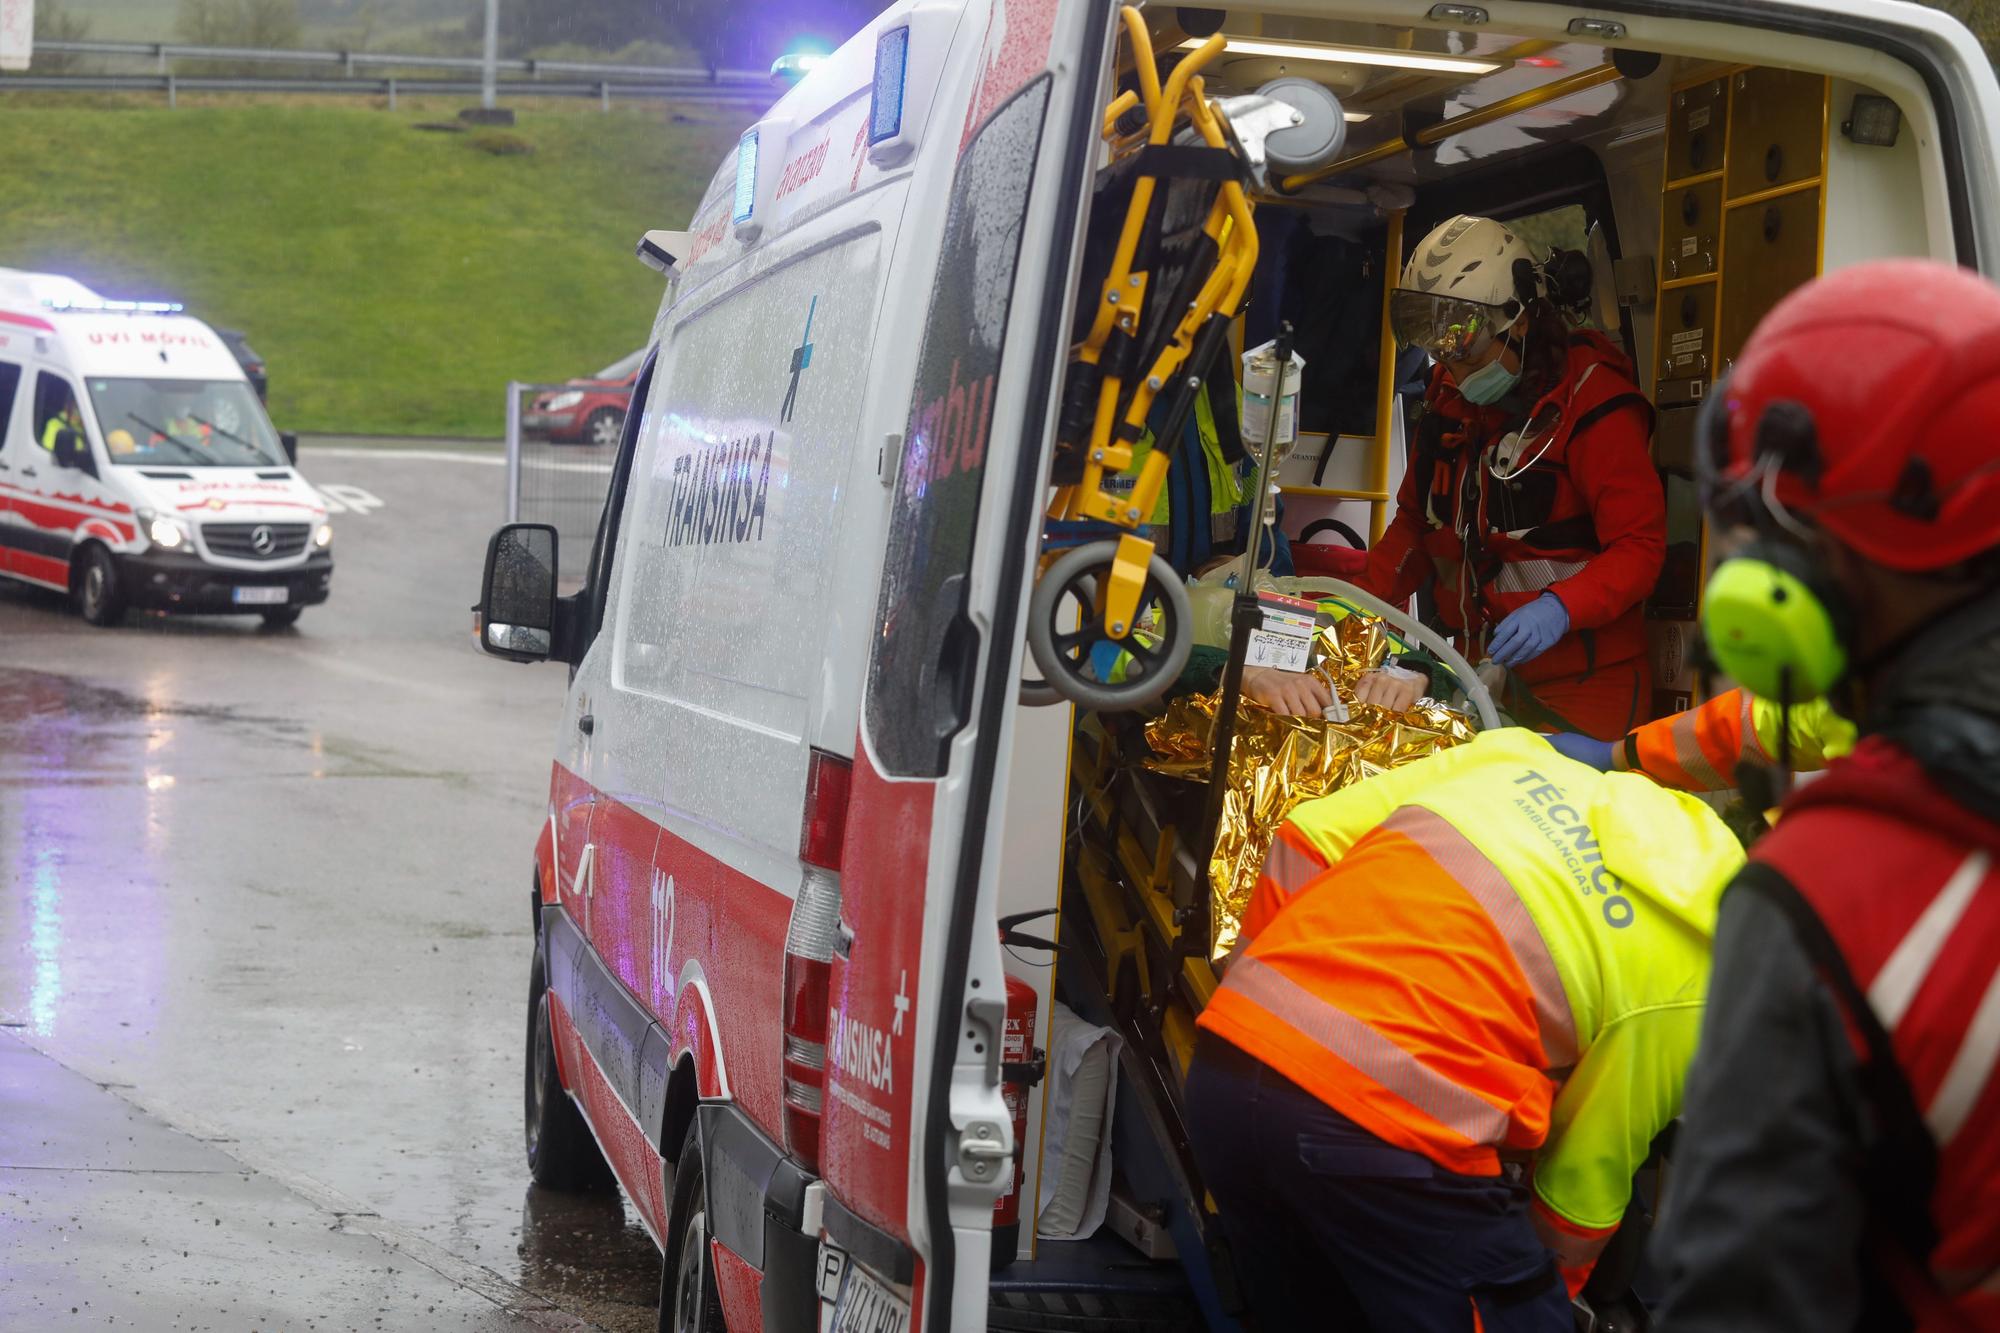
(171, 83)
(556, 474)
(741, 79)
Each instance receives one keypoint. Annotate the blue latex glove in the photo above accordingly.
(1600, 755)
(1530, 631)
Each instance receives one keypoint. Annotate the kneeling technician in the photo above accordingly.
(1468, 1001)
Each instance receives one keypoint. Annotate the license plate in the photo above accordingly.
(864, 1305)
(262, 596)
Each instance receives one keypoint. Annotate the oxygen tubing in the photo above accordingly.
(1468, 679)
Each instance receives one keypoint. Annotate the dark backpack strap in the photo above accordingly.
(1221, 384)
(1610, 405)
(1899, 1171)
(1189, 162)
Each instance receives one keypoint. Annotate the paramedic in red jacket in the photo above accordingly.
(1839, 1162)
(1530, 506)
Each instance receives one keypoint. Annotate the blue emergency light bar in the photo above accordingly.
(892, 64)
(116, 307)
(746, 177)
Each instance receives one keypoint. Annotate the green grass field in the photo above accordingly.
(393, 279)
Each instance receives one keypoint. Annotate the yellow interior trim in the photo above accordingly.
(1337, 493)
(1775, 192)
(1685, 181)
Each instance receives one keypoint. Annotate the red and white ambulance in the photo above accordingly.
(138, 468)
(796, 786)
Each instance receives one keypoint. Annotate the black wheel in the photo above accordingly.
(282, 617)
(100, 597)
(561, 1152)
(604, 427)
(688, 1303)
(1039, 693)
(1069, 659)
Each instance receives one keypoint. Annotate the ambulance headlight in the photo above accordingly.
(323, 536)
(167, 533)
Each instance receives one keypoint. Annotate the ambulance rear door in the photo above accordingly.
(916, 1138)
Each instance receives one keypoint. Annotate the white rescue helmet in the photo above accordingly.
(1462, 287)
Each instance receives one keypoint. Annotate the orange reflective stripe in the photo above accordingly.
(1571, 1243)
(1751, 745)
(1659, 755)
(1291, 866)
(1690, 755)
(1373, 1055)
(1470, 867)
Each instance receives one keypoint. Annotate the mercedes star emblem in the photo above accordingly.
(262, 541)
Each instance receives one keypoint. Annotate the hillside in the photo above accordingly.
(394, 279)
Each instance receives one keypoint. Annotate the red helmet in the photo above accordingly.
(1871, 398)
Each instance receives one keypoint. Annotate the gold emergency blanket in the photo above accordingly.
(1276, 762)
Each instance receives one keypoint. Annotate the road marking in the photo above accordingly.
(412, 455)
(341, 498)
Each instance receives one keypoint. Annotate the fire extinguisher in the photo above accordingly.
(1021, 1066)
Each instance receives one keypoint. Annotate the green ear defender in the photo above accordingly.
(1775, 624)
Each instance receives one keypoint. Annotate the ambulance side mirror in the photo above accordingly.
(289, 440)
(517, 598)
(71, 453)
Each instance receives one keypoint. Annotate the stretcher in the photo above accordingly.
(1160, 318)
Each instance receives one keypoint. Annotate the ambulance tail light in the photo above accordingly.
(825, 827)
(810, 940)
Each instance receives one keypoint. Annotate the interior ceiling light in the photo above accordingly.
(1354, 55)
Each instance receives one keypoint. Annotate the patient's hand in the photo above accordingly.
(1298, 693)
(1394, 688)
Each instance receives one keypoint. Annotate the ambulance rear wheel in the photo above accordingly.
(688, 1301)
(100, 595)
(562, 1155)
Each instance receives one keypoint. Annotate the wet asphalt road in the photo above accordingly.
(267, 894)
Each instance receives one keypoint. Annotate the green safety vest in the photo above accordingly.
(1226, 491)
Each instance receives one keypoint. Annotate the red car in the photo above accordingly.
(586, 411)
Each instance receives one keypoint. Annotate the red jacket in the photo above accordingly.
(1580, 513)
(1900, 895)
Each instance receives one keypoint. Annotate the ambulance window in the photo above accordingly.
(726, 549)
(53, 395)
(10, 384)
(914, 707)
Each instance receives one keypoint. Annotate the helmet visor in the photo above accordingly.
(1448, 328)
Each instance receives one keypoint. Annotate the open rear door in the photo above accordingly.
(916, 1138)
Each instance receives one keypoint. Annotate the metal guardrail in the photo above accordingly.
(173, 84)
(349, 61)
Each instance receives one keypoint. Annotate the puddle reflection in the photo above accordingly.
(590, 1252)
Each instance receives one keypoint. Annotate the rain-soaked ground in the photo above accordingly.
(264, 915)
